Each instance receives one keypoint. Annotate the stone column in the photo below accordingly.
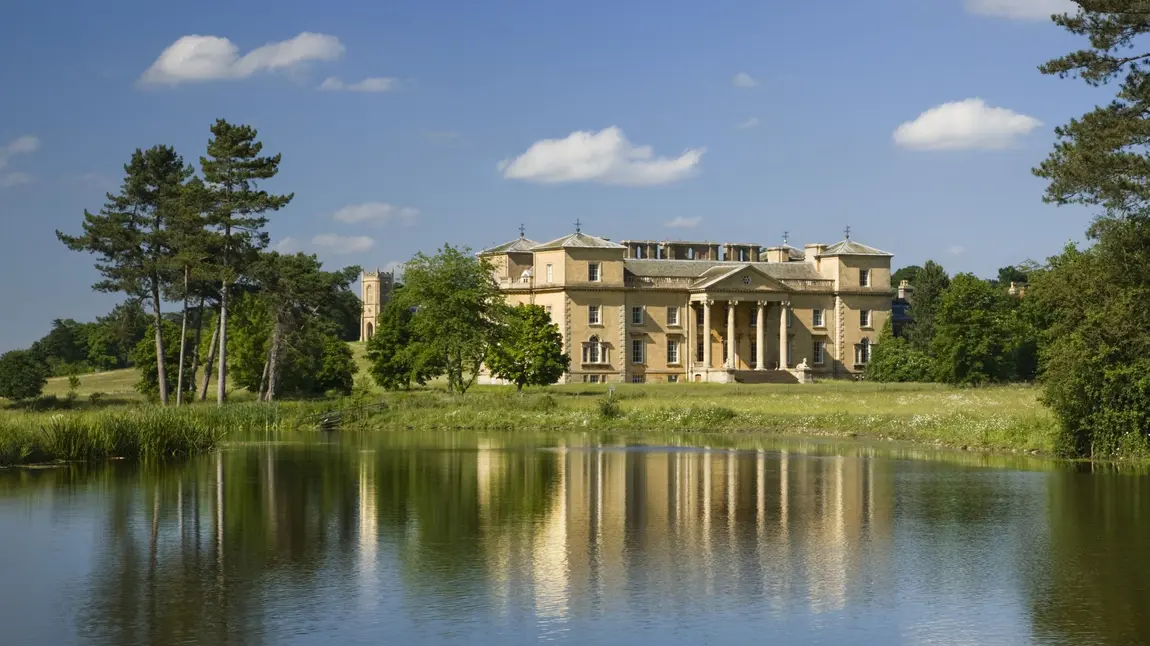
(731, 354)
(692, 336)
(784, 309)
(707, 334)
(760, 337)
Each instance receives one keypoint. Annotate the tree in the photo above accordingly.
(893, 359)
(972, 342)
(232, 168)
(1011, 274)
(113, 336)
(909, 274)
(65, 348)
(194, 245)
(530, 350)
(131, 235)
(22, 375)
(458, 311)
(932, 282)
(1094, 354)
(397, 358)
(143, 356)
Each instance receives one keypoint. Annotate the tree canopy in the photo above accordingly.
(530, 349)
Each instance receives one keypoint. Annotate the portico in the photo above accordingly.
(746, 340)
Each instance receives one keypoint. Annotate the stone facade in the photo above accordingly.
(648, 311)
(375, 289)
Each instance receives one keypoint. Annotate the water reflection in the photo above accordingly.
(510, 539)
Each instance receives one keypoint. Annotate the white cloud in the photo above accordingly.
(343, 244)
(395, 267)
(211, 58)
(1021, 9)
(742, 79)
(373, 84)
(964, 125)
(287, 245)
(753, 122)
(15, 179)
(380, 212)
(955, 250)
(605, 157)
(683, 223)
(19, 146)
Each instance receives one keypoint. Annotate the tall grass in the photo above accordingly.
(125, 432)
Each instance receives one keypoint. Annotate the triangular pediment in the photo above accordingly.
(743, 278)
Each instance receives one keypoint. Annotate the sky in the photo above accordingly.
(405, 125)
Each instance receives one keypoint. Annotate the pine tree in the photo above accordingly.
(131, 235)
(194, 245)
(232, 169)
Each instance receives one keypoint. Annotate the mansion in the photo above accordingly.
(656, 311)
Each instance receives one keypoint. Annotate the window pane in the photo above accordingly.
(636, 351)
(672, 316)
(637, 315)
(817, 318)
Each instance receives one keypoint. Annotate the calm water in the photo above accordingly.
(471, 539)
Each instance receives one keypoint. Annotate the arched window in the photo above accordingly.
(862, 352)
(594, 351)
(370, 331)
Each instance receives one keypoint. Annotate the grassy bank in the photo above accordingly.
(1003, 419)
(999, 419)
(129, 432)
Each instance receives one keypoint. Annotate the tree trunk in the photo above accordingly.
(264, 376)
(196, 344)
(211, 358)
(222, 379)
(183, 344)
(273, 360)
(157, 322)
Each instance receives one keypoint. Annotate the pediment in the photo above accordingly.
(745, 278)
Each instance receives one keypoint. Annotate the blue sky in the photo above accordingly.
(745, 119)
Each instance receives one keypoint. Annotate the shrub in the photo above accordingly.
(609, 408)
(22, 375)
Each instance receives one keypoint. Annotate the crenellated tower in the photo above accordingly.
(375, 289)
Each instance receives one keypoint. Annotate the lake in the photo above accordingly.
(450, 538)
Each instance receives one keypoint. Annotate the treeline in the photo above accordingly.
(964, 330)
(198, 241)
(449, 320)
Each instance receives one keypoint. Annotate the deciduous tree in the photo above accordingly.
(530, 349)
(22, 375)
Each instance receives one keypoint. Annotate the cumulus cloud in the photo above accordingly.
(15, 179)
(753, 122)
(379, 212)
(1021, 9)
(964, 125)
(342, 244)
(18, 146)
(742, 79)
(211, 58)
(372, 84)
(605, 157)
(287, 245)
(683, 223)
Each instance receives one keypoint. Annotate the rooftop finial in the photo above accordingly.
(578, 226)
(522, 230)
(786, 236)
(847, 231)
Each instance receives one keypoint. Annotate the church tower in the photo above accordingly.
(376, 288)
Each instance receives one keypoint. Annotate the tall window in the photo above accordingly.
(672, 351)
(864, 318)
(636, 316)
(593, 314)
(754, 353)
(699, 349)
(790, 352)
(754, 317)
(699, 317)
(548, 308)
(862, 352)
(817, 352)
(550, 273)
(593, 272)
(817, 318)
(864, 278)
(673, 316)
(594, 351)
(790, 317)
(637, 347)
